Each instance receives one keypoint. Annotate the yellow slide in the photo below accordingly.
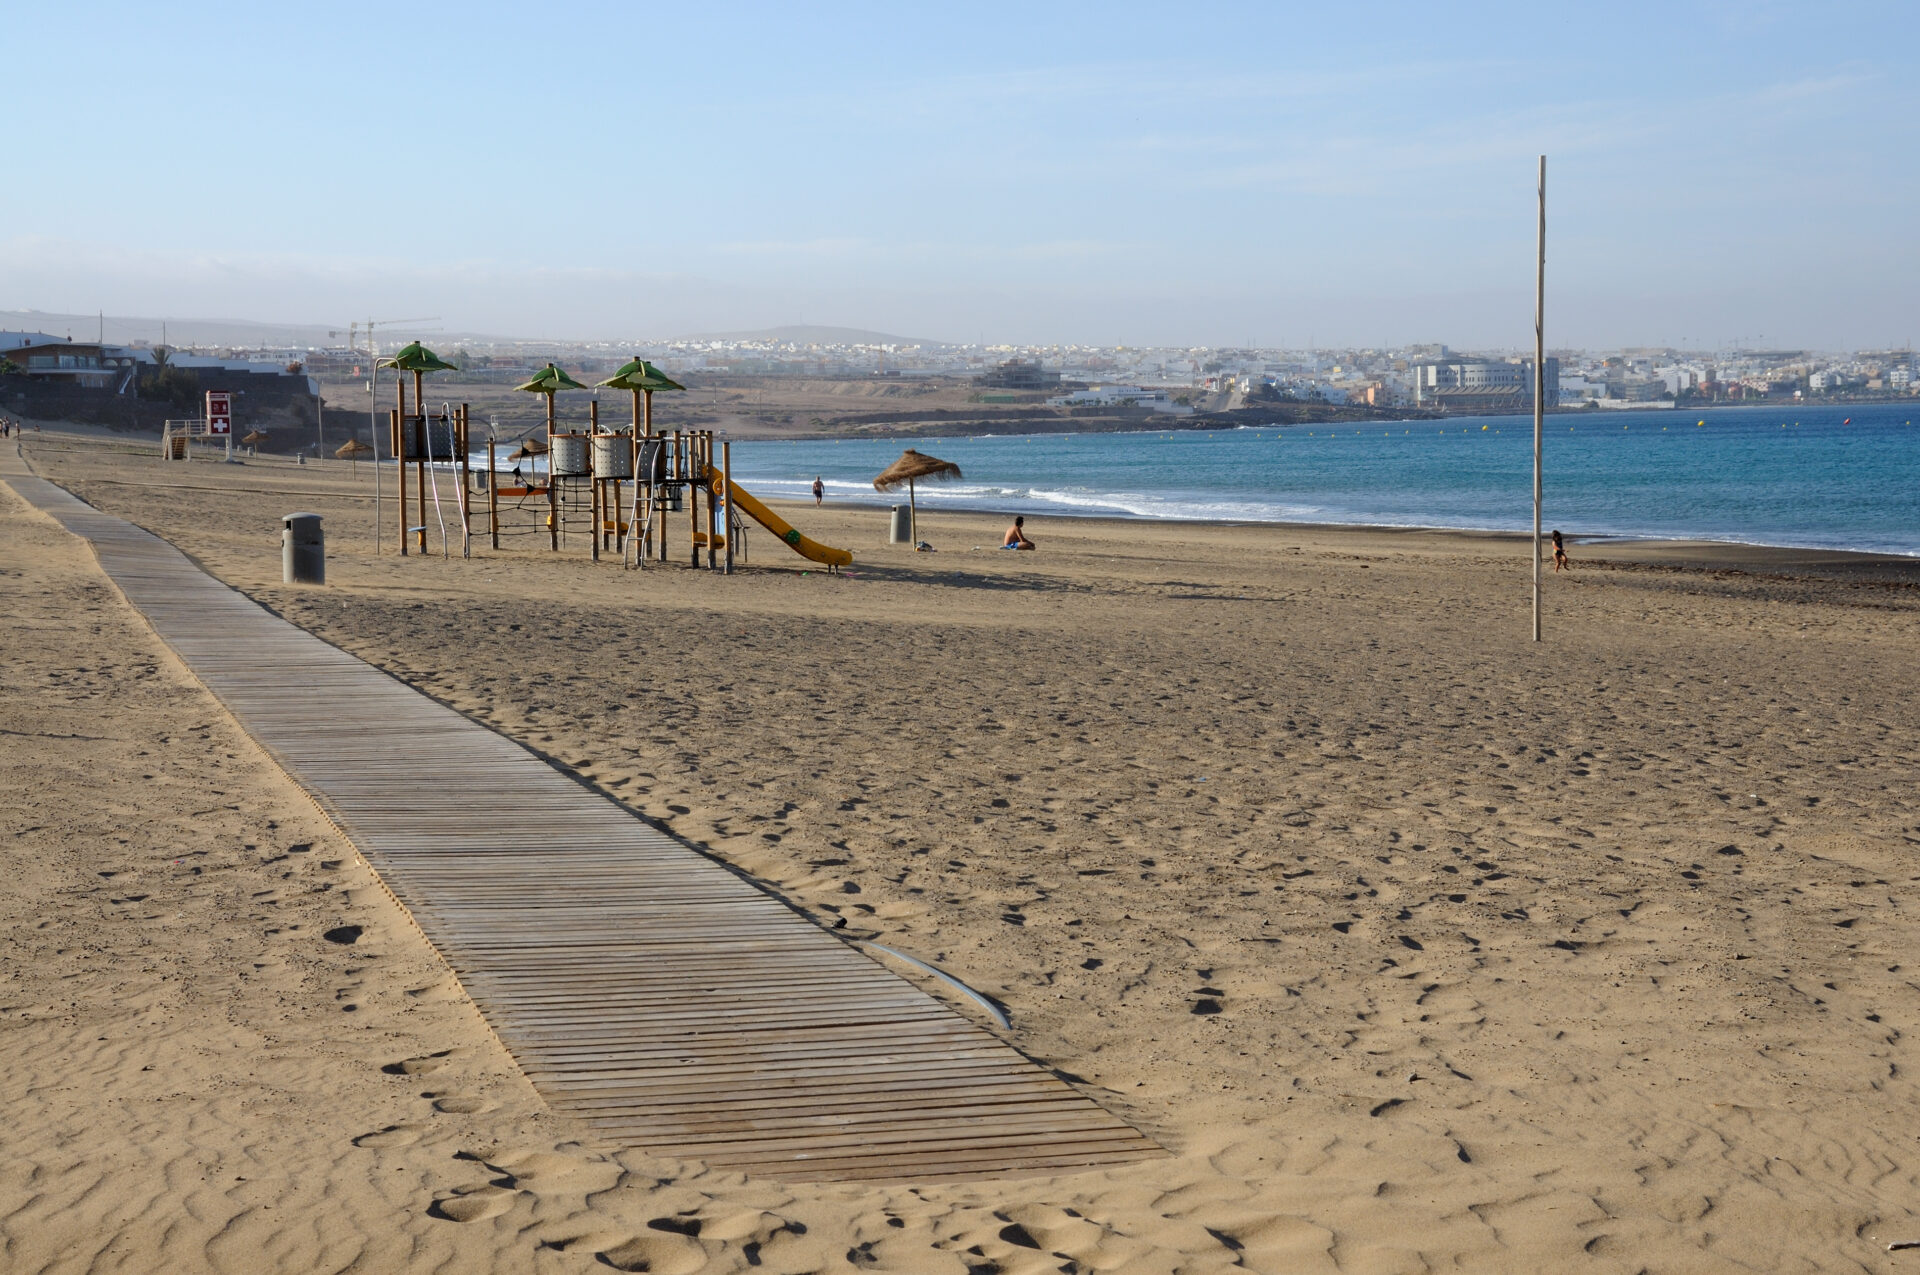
(826, 555)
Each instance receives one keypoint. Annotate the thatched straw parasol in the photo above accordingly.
(909, 469)
(353, 449)
(255, 436)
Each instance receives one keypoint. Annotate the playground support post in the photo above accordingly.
(706, 477)
(424, 449)
(640, 484)
(726, 481)
(595, 506)
(396, 424)
(466, 482)
(399, 419)
(692, 472)
(493, 494)
(553, 488)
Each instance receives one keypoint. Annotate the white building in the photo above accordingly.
(1153, 400)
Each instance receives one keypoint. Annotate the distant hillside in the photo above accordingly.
(813, 334)
(123, 330)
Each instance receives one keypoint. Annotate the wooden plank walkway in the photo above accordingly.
(644, 989)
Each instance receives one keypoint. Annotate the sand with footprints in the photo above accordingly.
(1418, 945)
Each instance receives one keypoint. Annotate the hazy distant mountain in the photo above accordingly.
(123, 330)
(813, 334)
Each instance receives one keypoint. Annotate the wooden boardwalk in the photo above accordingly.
(661, 999)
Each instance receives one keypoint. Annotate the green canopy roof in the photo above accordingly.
(638, 374)
(415, 357)
(550, 380)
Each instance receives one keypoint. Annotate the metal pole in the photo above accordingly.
(373, 428)
(595, 489)
(1539, 384)
(726, 485)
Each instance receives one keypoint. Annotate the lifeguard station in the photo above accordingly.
(214, 425)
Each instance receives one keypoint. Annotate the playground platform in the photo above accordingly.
(662, 999)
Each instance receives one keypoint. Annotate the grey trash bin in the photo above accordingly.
(902, 526)
(303, 550)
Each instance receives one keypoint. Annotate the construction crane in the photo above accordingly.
(356, 327)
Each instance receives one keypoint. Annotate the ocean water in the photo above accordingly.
(1810, 477)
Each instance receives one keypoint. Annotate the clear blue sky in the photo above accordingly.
(1186, 173)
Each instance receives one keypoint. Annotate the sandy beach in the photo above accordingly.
(1418, 945)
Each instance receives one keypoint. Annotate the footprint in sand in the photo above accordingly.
(1276, 1242)
(473, 1204)
(662, 1253)
(418, 1066)
(455, 1104)
(1052, 1229)
(755, 1226)
(394, 1135)
(548, 1171)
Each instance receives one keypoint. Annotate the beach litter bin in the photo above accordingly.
(303, 550)
(902, 532)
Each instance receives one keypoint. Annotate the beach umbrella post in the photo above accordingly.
(419, 360)
(908, 470)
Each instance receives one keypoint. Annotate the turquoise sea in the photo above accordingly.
(1816, 477)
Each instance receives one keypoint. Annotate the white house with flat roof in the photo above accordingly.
(1153, 400)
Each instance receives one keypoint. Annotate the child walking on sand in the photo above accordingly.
(1560, 560)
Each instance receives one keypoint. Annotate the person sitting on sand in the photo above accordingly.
(1017, 536)
(1560, 560)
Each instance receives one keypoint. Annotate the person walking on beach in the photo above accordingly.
(819, 491)
(1017, 536)
(1560, 560)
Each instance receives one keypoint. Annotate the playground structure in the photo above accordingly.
(625, 485)
(678, 471)
(669, 474)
